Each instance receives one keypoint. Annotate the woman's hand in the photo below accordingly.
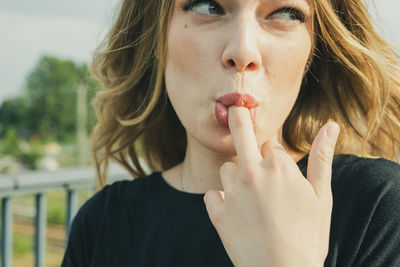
(269, 214)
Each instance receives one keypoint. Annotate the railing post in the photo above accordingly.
(36, 184)
(40, 230)
(72, 206)
(6, 232)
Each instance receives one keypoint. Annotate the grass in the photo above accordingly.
(56, 204)
(22, 244)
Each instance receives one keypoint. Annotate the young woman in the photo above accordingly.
(235, 106)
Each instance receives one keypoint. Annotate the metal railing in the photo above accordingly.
(38, 184)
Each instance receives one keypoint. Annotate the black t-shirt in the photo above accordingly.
(147, 222)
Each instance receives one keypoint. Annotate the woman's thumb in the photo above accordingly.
(319, 170)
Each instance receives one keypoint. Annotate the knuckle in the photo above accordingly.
(278, 146)
(273, 147)
(269, 144)
(232, 195)
(249, 176)
(276, 166)
(324, 155)
(275, 162)
(227, 168)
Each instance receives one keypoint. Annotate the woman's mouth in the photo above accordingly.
(237, 99)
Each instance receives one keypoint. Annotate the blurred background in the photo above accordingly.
(46, 91)
(46, 88)
(45, 109)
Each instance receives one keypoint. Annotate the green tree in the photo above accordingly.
(48, 107)
(14, 115)
(10, 142)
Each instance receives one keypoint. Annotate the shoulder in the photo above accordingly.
(113, 200)
(366, 210)
(106, 206)
(112, 196)
(95, 215)
(367, 189)
(365, 173)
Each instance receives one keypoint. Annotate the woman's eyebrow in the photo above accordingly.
(305, 3)
(308, 2)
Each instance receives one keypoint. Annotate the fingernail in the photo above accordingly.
(332, 132)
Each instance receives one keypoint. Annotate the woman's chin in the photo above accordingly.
(220, 142)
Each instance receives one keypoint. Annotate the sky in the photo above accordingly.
(65, 29)
(72, 29)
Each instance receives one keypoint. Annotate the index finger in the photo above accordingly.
(242, 131)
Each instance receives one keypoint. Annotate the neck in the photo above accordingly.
(199, 172)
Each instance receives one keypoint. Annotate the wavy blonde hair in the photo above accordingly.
(353, 80)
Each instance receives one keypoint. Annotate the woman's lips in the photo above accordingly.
(237, 99)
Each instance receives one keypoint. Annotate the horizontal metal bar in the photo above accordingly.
(38, 183)
(73, 178)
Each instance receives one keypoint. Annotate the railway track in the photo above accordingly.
(55, 233)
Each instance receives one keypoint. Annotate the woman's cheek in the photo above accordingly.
(184, 49)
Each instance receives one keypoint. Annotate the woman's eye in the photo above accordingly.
(288, 13)
(204, 7)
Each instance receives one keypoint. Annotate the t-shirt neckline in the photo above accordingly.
(164, 188)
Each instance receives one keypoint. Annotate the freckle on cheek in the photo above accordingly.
(186, 25)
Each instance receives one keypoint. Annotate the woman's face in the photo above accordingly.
(255, 47)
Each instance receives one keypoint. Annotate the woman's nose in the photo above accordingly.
(241, 51)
